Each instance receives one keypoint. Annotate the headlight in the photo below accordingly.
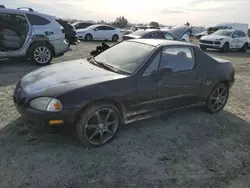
(46, 104)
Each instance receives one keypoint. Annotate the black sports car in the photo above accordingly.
(132, 80)
(149, 34)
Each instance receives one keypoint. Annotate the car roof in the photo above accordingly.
(160, 42)
(18, 11)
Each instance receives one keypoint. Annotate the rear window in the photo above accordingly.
(37, 20)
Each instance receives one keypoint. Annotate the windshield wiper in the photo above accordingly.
(108, 67)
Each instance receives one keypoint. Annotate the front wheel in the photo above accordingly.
(41, 54)
(203, 48)
(115, 38)
(225, 48)
(217, 98)
(88, 37)
(98, 125)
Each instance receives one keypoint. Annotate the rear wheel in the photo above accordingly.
(42, 54)
(98, 125)
(217, 98)
(225, 48)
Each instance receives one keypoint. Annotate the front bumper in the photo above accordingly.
(39, 121)
(215, 45)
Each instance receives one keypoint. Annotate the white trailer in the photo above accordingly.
(237, 26)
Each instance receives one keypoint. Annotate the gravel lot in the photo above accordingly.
(188, 148)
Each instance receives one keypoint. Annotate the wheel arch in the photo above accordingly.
(44, 41)
(112, 101)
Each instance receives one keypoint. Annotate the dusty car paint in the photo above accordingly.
(79, 83)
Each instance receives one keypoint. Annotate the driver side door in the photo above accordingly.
(234, 40)
(147, 88)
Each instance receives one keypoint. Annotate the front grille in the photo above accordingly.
(206, 42)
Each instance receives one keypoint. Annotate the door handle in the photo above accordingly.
(48, 33)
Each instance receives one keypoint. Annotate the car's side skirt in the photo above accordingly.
(142, 117)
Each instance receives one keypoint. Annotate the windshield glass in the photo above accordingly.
(223, 33)
(125, 56)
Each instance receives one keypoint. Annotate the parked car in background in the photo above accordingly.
(181, 33)
(135, 28)
(236, 26)
(30, 34)
(199, 35)
(149, 34)
(82, 25)
(224, 40)
(99, 32)
(70, 31)
(133, 80)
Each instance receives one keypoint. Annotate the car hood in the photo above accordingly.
(81, 30)
(213, 37)
(62, 77)
(131, 36)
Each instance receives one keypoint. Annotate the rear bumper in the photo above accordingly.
(60, 46)
(231, 83)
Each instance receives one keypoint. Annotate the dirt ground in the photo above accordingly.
(188, 148)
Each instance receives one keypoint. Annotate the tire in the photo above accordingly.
(115, 38)
(88, 133)
(215, 102)
(244, 48)
(203, 48)
(225, 48)
(37, 49)
(88, 37)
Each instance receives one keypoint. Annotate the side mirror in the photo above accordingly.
(95, 29)
(235, 36)
(166, 70)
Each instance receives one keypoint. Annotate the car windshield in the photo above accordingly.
(126, 56)
(223, 33)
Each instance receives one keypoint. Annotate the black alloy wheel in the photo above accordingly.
(218, 98)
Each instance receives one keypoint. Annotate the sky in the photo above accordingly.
(169, 12)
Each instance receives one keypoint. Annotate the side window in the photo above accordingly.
(152, 35)
(242, 34)
(177, 58)
(236, 34)
(101, 28)
(109, 28)
(37, 20)
(153, 65)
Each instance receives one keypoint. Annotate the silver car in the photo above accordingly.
(30, 34)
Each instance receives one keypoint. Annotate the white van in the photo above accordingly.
(236, 26)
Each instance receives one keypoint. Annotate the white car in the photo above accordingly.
(30, 34)
(224, 40)
(99, 32)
